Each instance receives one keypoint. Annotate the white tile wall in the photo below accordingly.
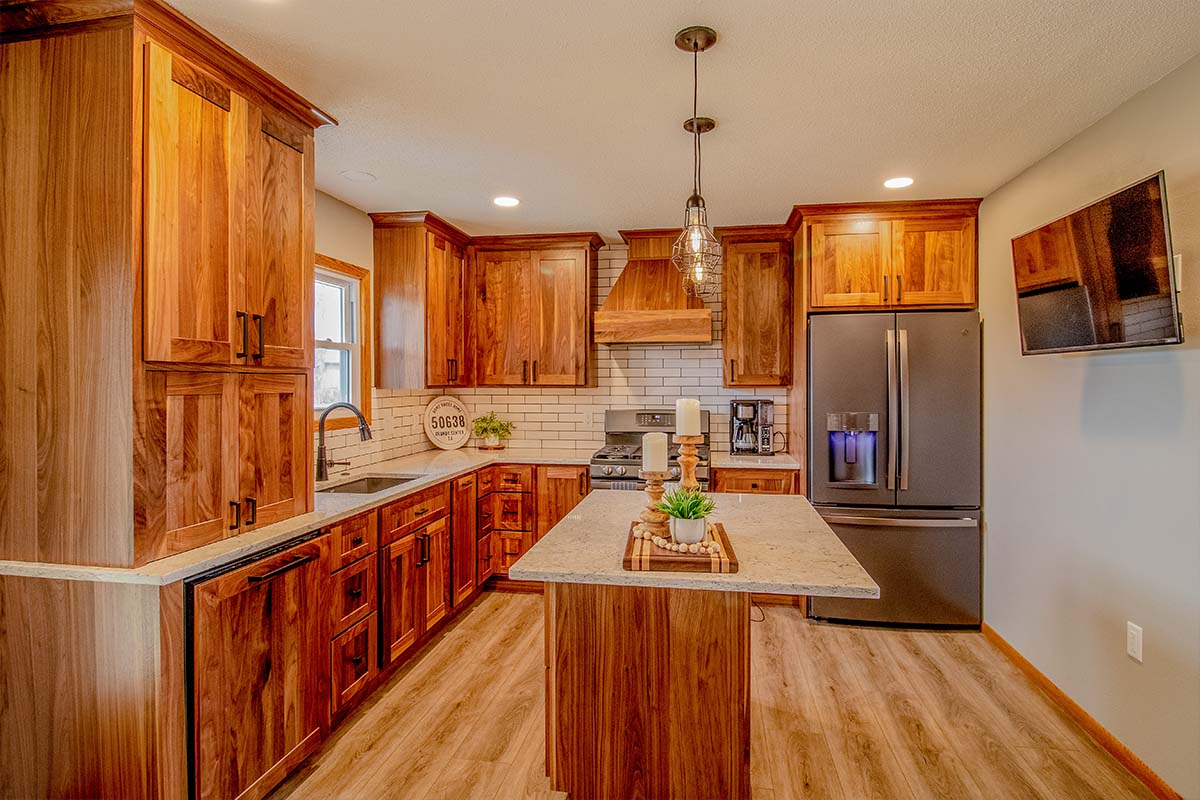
(627, 376)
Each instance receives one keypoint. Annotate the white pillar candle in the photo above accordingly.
(654, 452)
(687, 417)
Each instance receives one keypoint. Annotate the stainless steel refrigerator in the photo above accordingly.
(894, 460)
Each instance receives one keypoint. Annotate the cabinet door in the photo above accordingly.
(502, 313)
(1045, 258)
(559, 489)
(511, 511)
(354, 663)
(435, 573)
(445, 326)
(398, 598)
(758, 314)
(186, 475)
(512, 545)
(279, 242)
(559, 283)
(488, 556)
(849, 261)
(195, 152)
(274, 447)
(261, 670)
(933, 261)
(462, 548)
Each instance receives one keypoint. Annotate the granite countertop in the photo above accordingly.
(429, 468)
(723, 460)
(782, 545)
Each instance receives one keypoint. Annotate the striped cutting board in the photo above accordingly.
(642, 555)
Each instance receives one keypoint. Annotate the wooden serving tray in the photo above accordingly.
(642, 555)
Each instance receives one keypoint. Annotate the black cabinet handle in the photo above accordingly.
(241, 315)
(524, 372)
(253, 503)
(582, 478)
(421, 512)
(275, 573)
(237, 515)
(732, 371)
(354, 593)
(355, 660)
(486, 514)
(899, 288)
(535, 370)
(258, 320)
(356, 541)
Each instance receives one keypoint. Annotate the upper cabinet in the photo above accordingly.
(421, 302)
(194, 163)
(502, 315)
(757, 304)
(890, 255)
(180, 269)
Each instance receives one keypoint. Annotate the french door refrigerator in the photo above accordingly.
(894, 460)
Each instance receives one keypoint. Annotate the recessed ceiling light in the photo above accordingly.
(356, 176)
(506, 202)
(898, 183)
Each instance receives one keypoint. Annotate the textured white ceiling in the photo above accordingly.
(576, 107)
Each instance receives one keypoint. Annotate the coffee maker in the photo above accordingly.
(751, 427)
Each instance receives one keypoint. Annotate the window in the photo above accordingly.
(342, 354)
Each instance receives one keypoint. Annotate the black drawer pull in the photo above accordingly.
(237, 515)
(258, 320)
(355, 660)
(356, 541)
(253, 503)
(245, 319)
(275, 573)
(354, 593)
(421, 512)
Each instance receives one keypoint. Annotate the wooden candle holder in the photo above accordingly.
(688, 460)
(653, 522)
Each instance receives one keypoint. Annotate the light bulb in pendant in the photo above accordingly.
(696, 240)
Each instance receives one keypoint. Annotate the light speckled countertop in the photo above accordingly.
(430, 467)
(782, 545)
(723, 460)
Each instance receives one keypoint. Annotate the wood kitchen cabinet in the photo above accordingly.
(464, 516)
(261, 673)
(421, 302)
(1046, 257)
(559, 489)
(754, 481)
(399, 598)
(532, 309)
(217, 454)
(507, 513)
(757, 305)
(415, 587)
(890, 255)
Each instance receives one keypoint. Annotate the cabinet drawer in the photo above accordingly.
(353, 593)
(487, 515)
(755, 481)
(487, 480)
(514, 478)
(415, 511)
(512, 511)
(512, 545)
(353, 663)
(354, 538)
(487, 554)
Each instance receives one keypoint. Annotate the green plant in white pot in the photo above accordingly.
(688, 510)
(491, 429)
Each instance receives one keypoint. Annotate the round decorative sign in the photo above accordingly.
(446, 422)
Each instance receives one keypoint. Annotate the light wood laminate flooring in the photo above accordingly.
(837, 712)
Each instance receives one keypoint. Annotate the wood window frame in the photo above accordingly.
(363, 276)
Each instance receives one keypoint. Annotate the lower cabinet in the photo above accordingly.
(559, 489)
(512, 545)
(464, 569)
(488, 556)
(754, 481)
(261, 670)
(353, 663)
(415, 587)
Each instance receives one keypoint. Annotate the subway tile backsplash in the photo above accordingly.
(626, 376)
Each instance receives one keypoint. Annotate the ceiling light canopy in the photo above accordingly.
(697, 253)
(356, 176)
(898, 183)
(505, 201)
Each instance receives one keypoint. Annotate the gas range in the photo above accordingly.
(616, 465)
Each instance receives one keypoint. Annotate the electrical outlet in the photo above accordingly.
(1133, 641)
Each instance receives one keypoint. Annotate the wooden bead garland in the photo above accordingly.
(710, 546)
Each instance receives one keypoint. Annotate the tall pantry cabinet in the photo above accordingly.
(156, 281)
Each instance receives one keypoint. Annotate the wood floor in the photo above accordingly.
(847, 713)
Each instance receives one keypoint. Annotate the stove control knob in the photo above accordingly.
(620, 470)
(606, 470)
(674, 472)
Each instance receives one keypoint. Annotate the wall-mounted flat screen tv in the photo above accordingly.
(1099, 278)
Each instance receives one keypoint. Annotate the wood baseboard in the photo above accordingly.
(501, 584)
(1103, 737)
(795, 600)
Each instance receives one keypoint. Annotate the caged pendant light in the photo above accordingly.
(697, 253)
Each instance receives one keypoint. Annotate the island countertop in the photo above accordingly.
(782, 546)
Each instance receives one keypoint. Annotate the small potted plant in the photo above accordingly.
(688, 510)
(492, 430)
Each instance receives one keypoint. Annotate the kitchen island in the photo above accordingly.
(648, 673)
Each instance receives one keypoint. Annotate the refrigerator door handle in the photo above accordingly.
(904, 416)
(892, 522)
(890, 339)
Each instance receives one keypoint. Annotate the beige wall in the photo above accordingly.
(343, 232)
(1092, 461)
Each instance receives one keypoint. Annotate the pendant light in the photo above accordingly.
(697, 253)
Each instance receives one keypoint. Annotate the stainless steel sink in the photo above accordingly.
(369, 485)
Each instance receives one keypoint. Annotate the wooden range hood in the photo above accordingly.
(649, 304)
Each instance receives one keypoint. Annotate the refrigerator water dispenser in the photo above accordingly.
(852, 447)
